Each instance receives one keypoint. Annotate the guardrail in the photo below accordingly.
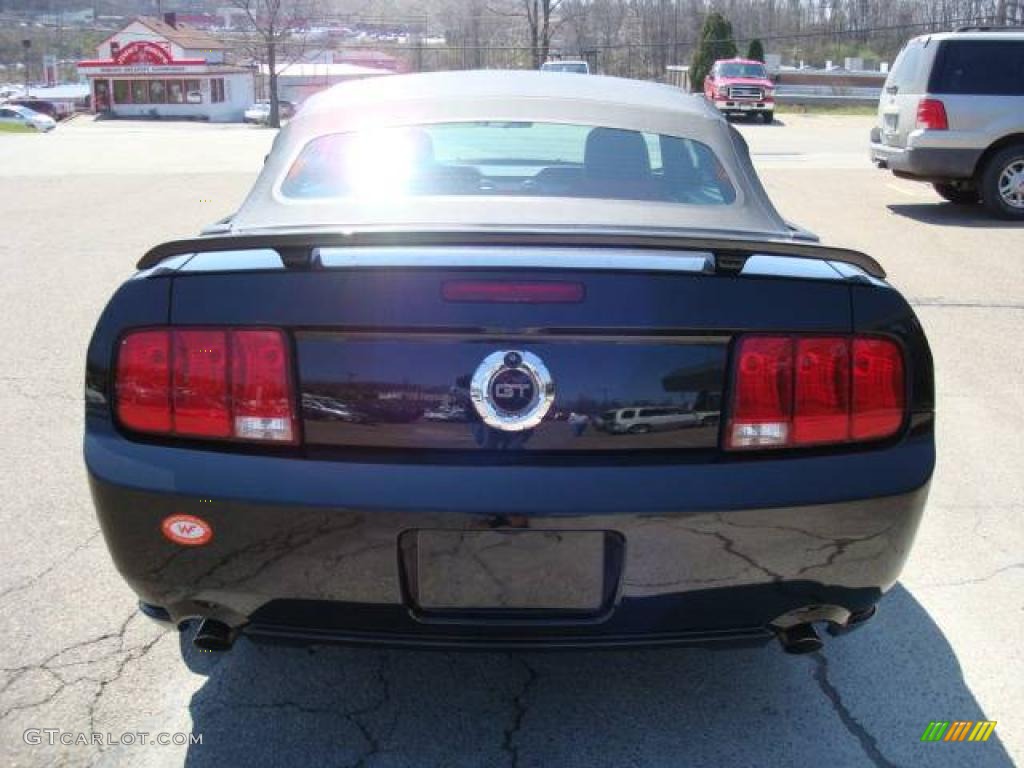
(827, 94)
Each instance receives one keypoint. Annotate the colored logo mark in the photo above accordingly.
(187, 530)
(958, 730)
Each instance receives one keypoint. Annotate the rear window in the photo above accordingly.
(983, 67)
(509, 159)
(905, 70)
(578, 67)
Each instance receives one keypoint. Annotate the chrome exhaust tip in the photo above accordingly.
(799, 639)
(856, 621)
(214, 635)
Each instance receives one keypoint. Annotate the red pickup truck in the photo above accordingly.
(741, 87)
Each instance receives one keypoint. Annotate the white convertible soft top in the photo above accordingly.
(519, 96)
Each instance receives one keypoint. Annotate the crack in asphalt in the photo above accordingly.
(976, 580)
(133, 654)
(333, 708)
(868, 742)
(33, 580)
(519, 712)
(48, 665)
(61, 685)
(374, 742)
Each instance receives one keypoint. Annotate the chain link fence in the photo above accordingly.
(643, 62)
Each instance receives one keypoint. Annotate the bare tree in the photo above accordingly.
(608, 16)
(577, 27)
(538, 21)
(274, 23)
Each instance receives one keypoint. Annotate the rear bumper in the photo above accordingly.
(925, 163)
(309, 549)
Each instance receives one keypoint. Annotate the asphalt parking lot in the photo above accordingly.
(79, 206)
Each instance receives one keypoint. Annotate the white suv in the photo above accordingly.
(952, 113)
(564, 65)
(638, 421)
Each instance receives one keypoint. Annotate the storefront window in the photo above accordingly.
(165, 91)
(122, 92)
(140, 92)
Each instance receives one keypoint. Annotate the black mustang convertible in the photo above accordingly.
(509, 359)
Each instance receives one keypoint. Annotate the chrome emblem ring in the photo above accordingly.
(512, 390)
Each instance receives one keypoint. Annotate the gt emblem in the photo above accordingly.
(512, 390)
(504, 391)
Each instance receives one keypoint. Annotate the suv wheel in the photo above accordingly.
(1002, 183)
(957, 193)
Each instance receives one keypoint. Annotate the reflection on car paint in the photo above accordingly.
(404, 392)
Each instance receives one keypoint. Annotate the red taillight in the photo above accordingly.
(260, 390)
(931, 114)
(143, 388)
(207, 383)
(878, 390)
(792, 391)
(821, 411)
(200, 383)
(763, 400)
(511, 292)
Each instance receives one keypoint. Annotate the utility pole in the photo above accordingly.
(27, 45)
(60, 41)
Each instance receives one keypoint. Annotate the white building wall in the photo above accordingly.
(238, 95)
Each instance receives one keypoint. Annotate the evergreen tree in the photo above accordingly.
(716, 43)
(755, 51)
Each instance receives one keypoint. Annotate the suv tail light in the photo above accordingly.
(220, 383)
(793, 391)
(931, 114)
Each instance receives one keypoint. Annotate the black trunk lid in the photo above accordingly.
(384, 359)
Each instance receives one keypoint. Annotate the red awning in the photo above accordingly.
(113, 63)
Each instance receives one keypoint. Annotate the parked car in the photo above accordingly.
(15, 117)
(952, 114)
(259, 112)
(741, 87)
(640, 421)
(37, 105)
(389, 249)
(566, 65)
(324, 408)
(446, 414)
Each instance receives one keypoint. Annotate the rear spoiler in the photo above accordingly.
(297, 248)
